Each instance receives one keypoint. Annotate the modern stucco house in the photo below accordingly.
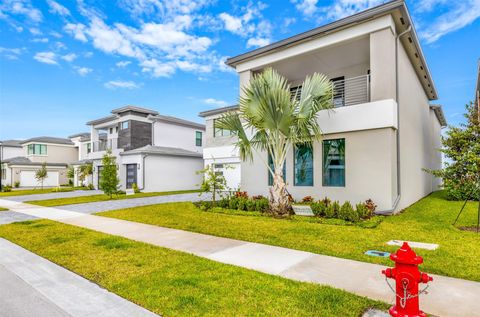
(154, 151)
(21, 159)
(383, 130)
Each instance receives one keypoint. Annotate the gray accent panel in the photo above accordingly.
(137, 135)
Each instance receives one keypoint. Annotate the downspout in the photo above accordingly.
(143, 171)
(397, 97)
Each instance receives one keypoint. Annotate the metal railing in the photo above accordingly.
(103, 145)
(351, 91)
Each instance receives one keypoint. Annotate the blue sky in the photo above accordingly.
(63, 63)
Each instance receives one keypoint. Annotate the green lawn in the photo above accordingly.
(429, 220)
(21, 192)
(102, 197)
(172, 283)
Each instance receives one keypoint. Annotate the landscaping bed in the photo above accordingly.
(429, 220)
(101, 197)
(173, 283)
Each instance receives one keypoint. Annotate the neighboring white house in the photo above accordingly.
(382, 133)
(156, 152)
(57, 153)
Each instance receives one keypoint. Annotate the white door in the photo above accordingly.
(27, 179)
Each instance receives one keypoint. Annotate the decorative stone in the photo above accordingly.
(302, 210)
(412, 244)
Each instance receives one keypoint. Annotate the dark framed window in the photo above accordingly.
(116, 128)
(111, 130)
(124, 125)
(270, 177)
(37, 149)
(334, 163)
(131, 175)
(89, 147)
(219, 131)
(198, 138)
(303, 165)
(338, 91)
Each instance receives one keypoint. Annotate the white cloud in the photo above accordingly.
(83, 71)
(123, 64)
(46, 57)
(40, 40)
(257, 42)
(35, 31)
(114, 84)
(459, 15)
(69, 57)
(232, 23)
(77, 31)
(215, 102)
(336, 10)
(307, 7)
(57, 8)
(11, 53)
(157, 68)
(21, 7)
(162, 8)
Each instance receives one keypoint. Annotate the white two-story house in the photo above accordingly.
(382, 132)
(153, 151)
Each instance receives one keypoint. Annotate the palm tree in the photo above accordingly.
(276, 120)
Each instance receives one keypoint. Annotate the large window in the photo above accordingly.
(219, 131)
(89, 147)
(37, 149)
(303, 165)
(334, 162)
(198, 138)
(270, 177)
(124, 125)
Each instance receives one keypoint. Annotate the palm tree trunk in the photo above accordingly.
(279, 202)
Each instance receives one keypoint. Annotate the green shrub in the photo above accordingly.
(135, 188)
(332, 210)
(362, 211)
(233, 203)
(90, 186)
(16, 184)
(242, 203)
(6, 188)
(261, 204)
(223, 203)
(318, 208)
(251, 205)
(203, 205)
(348, 213)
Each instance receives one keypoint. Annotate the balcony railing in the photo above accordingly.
(103, 145)
(346, 92)
(351, 91)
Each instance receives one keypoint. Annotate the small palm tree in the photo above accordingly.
(277, 120)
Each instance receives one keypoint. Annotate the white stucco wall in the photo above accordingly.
(56, 153)
(9, 152)
(172, 135)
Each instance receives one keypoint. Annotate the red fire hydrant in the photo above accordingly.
(407, 277)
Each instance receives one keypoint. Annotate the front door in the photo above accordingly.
(131, 175)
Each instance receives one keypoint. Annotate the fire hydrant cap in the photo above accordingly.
(406, 255)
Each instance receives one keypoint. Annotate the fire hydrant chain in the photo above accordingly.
(407, 279)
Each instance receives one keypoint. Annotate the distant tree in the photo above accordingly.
(213, 181)
(109, 180)
(70, 175)
(41, 174)
(84, 171)
(461, 145)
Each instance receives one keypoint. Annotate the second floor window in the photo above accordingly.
(37, 149)
(89, 147)
(198, 138)
(124, 125)
(219, 131)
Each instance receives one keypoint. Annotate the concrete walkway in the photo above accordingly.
(34, 286)
(447, 296)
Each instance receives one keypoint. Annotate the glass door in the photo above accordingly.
(131, 175)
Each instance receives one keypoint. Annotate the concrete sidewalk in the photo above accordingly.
(447, 296)
(34, 286)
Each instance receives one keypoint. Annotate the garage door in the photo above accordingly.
(27, 179)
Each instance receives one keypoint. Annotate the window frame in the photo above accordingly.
(219, 132)
(324, 183)
(124, 125)
(37, 149)
(295, 148)
(198, 140)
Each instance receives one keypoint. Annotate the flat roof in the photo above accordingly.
(134, 108)
(162, 150)
(215, 111)
(374, 12)
(179, 121)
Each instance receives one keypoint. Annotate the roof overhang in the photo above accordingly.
(216, 111)
(437, 109)
(402, 20)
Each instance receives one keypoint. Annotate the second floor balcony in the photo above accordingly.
(103, 145)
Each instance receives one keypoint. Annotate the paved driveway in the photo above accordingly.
(75, 193)
(7, 217)
(90, 208)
